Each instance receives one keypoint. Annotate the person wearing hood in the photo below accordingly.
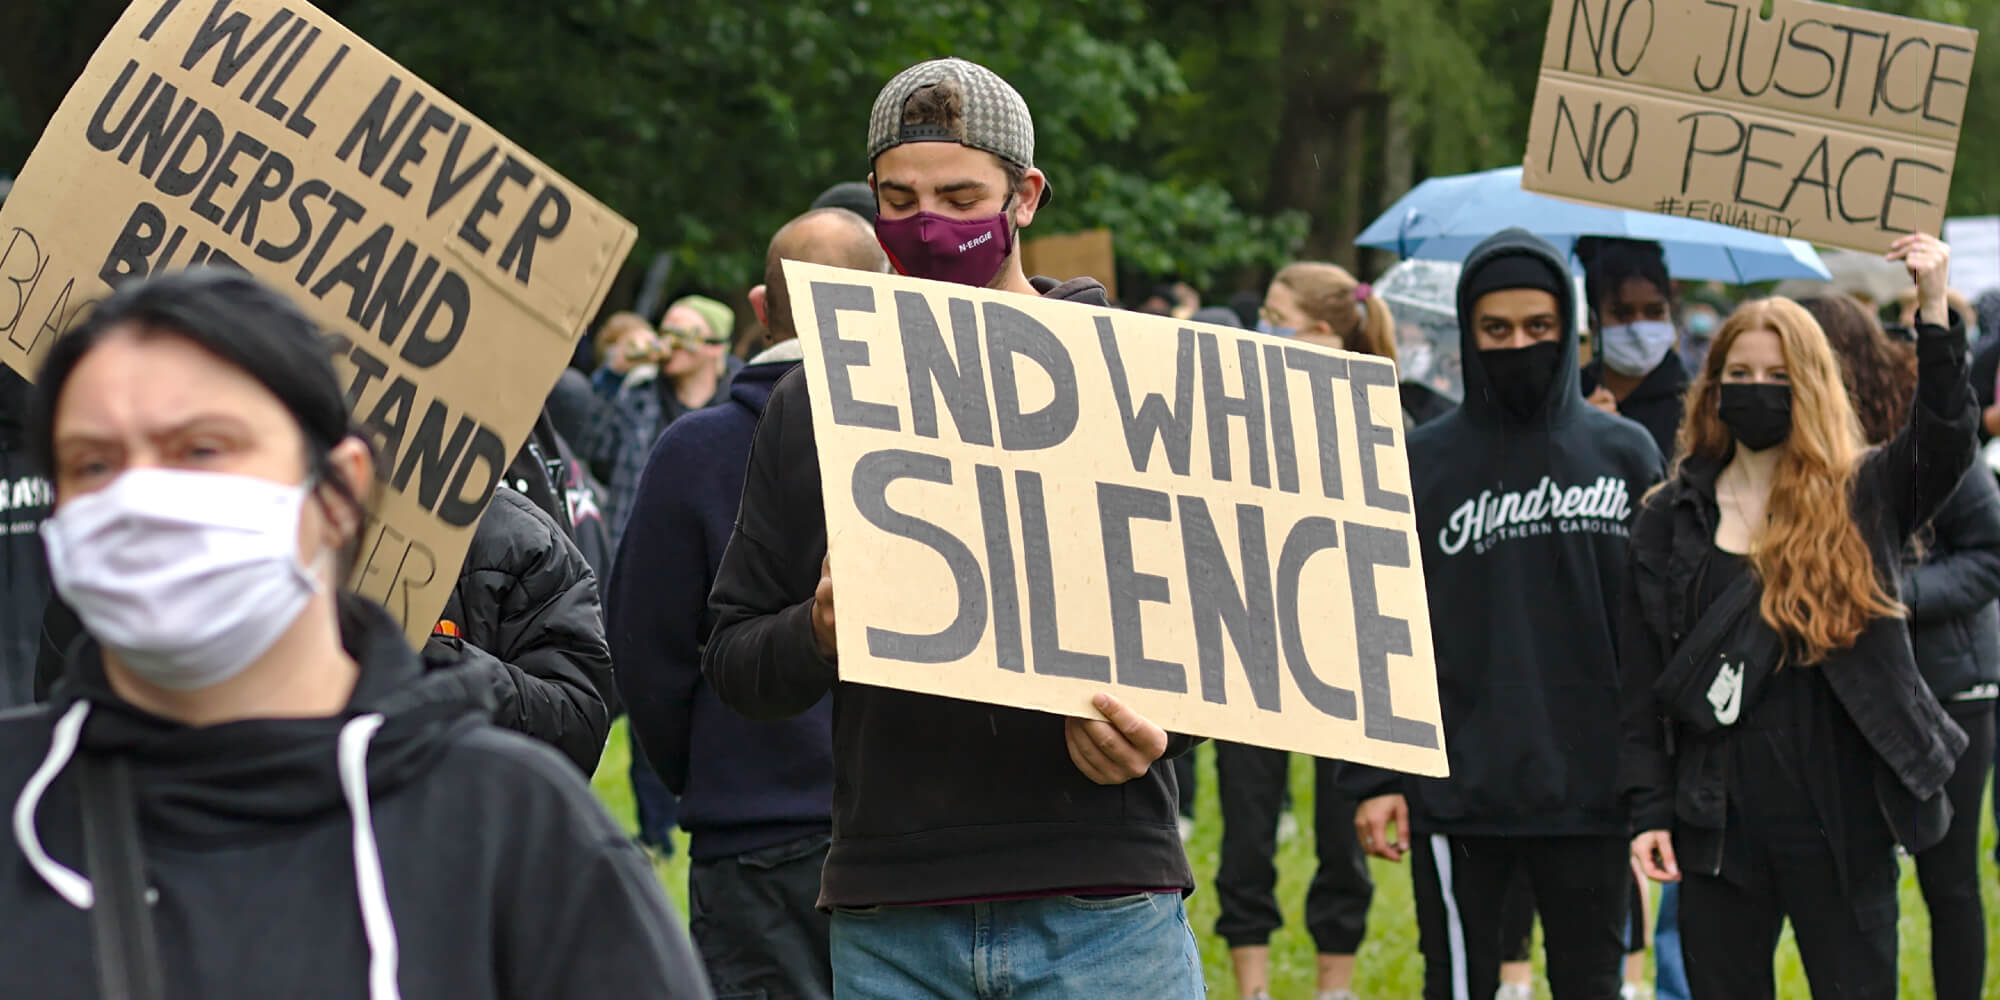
(245, 784)
(24, 573)
(1524, 495)
(1780, 741)
(978, 850)
(1635, 371)
(755, 796)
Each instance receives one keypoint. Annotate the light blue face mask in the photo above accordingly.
(1636, 349)
(1264, 326)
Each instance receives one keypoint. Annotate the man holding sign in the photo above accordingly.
(976, 847)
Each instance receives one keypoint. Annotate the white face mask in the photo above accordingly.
(188, 577)
(1636, 348)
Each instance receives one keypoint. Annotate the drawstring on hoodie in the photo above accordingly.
(376, 920)
(352, 756)
(62, 746)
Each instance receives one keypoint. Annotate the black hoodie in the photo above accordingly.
(934, 799)
(24, 573)
(502, 876)
(1523, 526)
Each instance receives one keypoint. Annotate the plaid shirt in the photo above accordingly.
(621, 437)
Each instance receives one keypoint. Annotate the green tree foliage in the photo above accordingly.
(1216, 138)
(710, 122)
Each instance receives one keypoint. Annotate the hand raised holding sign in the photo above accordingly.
(1117, 750)
(1929, 262)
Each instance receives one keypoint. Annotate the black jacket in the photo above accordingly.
(741, 785)
(1656, 402)
(1523, 527)
(503, 876)
(934, 799)
(531, 632)
(25, 499)
(1674, 780)
(1954, 622)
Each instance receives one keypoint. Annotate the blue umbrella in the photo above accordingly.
(1445, 217)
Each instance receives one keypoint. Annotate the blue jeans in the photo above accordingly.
(1031, 949)
(1669, 972)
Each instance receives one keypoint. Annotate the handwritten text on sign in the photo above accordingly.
(1029, 502)
(1823, 122)
(450, 270)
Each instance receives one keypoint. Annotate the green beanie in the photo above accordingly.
(720, 318)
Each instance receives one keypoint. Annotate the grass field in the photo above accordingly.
(1390, 967)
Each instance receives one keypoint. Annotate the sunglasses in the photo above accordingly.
(672, 338)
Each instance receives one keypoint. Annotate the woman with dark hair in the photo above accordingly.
(244, 784)
(1951, 580)
(1634, 371)
(1779, 741)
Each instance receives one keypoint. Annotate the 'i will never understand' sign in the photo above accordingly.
(450, 271)
(1029, 502)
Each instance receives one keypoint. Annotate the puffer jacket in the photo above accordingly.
(530, 631)
(1951, 589)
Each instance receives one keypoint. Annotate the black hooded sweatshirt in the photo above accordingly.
(25, 497)
(1524, 527)
(934, 799)
(503, 877)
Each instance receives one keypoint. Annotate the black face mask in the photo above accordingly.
(1518, 378)
(1759, 414)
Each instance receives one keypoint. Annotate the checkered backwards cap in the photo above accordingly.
(996, 118)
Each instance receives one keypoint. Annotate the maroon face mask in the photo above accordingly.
(962, 251)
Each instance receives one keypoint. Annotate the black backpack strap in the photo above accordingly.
(121, 920)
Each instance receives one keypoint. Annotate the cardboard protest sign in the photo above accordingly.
(450, 270)
(1029, 502)
(1073, 255)
(1823, 122)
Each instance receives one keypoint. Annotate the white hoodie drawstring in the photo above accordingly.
(62, 746)
(352, 756)
(376, 920)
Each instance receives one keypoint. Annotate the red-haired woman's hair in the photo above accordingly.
(1821, 587)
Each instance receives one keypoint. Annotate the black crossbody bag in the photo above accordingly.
(121, 921)
(1720, 668)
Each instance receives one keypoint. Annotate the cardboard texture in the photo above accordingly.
(1073, 255)
(1824, 123)
(1029, 502)
(450, 271)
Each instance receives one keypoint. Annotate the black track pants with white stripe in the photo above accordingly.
(1580, 886)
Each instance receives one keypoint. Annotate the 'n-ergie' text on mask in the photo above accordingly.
(1758, 414)
(1635, 349)
(962, 251)
(187, 577)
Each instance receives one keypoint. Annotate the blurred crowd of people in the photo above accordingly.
(1714, 584)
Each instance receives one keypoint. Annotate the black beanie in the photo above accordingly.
(1513, 270)
(854, 196)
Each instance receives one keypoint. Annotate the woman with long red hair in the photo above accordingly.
(1779, 741)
